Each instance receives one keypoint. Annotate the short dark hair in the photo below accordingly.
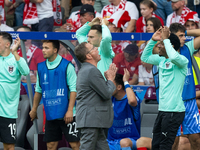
(55, 43)
(97, 27)
(149, 3)
(6, 36)
(175, 41)
(24, 27)
(156, 23)
(175, 27)
(119, 80)
(81, 51)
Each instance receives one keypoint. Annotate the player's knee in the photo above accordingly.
(8, 146)
(194, 139)
(183, 140)
(74, 145)
(144, 142)
(51, 145)
(126, 142)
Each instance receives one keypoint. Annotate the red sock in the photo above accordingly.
(142, 148)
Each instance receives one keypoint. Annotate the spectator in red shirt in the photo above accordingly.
(147, 9)
(129, 59)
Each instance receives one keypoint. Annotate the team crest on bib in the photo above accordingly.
(10, 69)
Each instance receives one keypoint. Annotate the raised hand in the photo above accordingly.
(126, 75)
(95, 21)
(105, 22)
(165, 33)
(15, 45)
(157, 35)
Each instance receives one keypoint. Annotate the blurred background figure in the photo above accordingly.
(147, 9)
(192, 21)
(33, 53)
(99, 4)
(74, 22)
(116, 25)
(145, 74)
(116, 5)
(129, 59)
(152, 25)
(164, 9)
(179, 13)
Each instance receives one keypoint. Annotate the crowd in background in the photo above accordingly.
(123, 16)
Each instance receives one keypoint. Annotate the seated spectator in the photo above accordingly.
(152, 25)
(179, 14)
(99, 4)
(192, 21)
(75, 20)
(116, 24)
(3, 26)
(117, 5)
(145, 74)
(129, 59)
(33, 53)
(147, 9)
(125, 131)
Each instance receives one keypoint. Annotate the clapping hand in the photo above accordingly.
(126, 75)
(111, 72)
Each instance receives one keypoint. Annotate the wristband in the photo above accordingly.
(185, 32)
(127, 86)
(125, 83)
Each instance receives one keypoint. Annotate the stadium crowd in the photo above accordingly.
(109, 68)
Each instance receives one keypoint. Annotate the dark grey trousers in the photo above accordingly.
(93, 139)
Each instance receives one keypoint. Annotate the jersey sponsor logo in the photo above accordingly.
(53, 102)
(124, 130)
(122, 122)
(127, 121)
(60, 92)
(53, 93)
(10, 69)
